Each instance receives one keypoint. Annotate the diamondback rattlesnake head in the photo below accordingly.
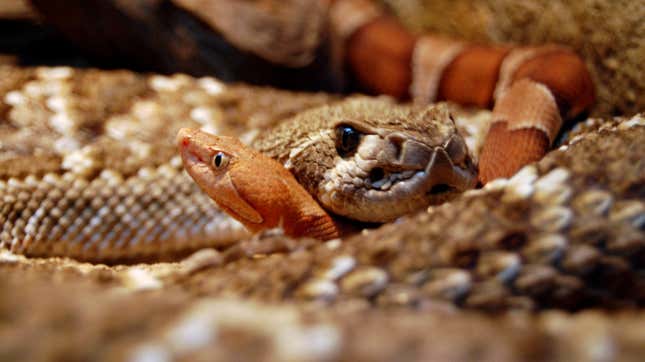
(371, 159)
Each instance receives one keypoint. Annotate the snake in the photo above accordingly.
(89, 171)
(534, 91)
(372, 160)
(99, 179)
(94, 196)
(111, 186)
(365, 159)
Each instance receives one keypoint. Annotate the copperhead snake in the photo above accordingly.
(563, 233)
(78, 190)
(526, 118)
(566, 232)
(399, 160)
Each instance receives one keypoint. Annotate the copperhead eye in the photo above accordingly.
(347, 140)
(220, 160)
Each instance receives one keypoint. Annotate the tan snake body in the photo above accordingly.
(88, 170)
(70, 188)
(127, 200)
(564, 233)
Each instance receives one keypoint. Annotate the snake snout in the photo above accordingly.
(390, 175)
(394, 159)
(414, 155)
(457, 151)
(449, 171)
(183, 137)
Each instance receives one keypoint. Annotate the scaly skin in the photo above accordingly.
(98, 178)
(533, 90)
(566, 233)
(115, 191)
(402, 158)
(251, 187)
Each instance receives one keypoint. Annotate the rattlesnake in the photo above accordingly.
(102, 181)
(105, 187)
(87, 160)
(534, 90)
(566, 232)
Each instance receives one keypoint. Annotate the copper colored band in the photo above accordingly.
(379, 54)
(528, 104)
(431, 56)
(471, 77)
(566, 76)
(505, 151)
(514, 60)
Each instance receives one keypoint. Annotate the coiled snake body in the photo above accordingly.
(97, 178)
(89, 170)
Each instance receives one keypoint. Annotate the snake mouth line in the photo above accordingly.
(190, 158)
(380, 179)
(440, 189)
(379, 189)
(441, 176)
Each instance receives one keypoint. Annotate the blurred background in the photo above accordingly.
(187, 36)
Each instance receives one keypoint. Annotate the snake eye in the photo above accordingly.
(347, 139)
(220, 160)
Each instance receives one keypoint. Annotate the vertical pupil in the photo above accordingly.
(218, 160)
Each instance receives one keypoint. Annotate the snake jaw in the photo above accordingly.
(392, 174)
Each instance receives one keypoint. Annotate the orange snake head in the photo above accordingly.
(210, 160)
(251, 187)
(367, 159)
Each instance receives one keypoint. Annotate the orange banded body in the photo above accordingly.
(533, 91)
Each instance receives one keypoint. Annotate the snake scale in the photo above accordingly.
(534, 91)
(89, 170)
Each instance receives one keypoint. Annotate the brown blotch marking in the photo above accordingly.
(471, 77)
(466, 258)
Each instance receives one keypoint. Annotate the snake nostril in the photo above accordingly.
(440, 189)
(376, 174)
(397, 141)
